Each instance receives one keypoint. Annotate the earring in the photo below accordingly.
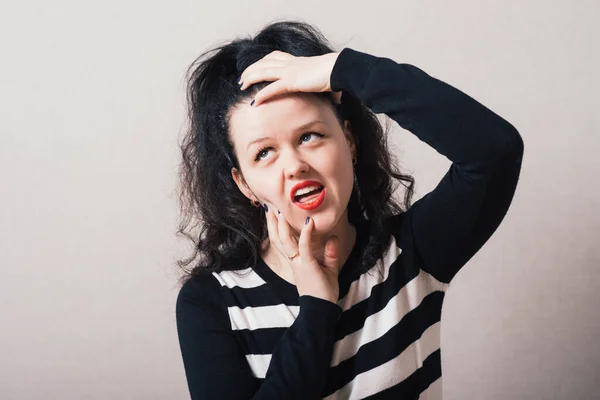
(354, 161)
(255, 203)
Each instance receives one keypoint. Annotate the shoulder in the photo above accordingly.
(201, 296)
(201, 287)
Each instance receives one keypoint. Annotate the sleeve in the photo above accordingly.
(216, 367)
(447, 226)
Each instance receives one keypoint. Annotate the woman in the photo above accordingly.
(331, 289)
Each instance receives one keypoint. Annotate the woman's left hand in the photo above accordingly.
(290, 74)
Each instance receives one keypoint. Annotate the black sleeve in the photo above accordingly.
(446, 227)
(215, 365)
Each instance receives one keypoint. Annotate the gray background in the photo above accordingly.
(92, 108)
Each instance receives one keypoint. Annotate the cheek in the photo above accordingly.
(345, 174)
(267, 189)
(347, 181)
(340, 169)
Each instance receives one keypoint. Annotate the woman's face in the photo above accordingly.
(288, 140)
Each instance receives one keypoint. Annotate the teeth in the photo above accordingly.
(306, 190)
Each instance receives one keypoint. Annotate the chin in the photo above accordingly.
(325, 223)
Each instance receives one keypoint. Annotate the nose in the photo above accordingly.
(294, 165)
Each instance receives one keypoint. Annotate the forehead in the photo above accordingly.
(276, 118)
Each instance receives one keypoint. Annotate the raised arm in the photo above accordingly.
(450, 224)
(216, 366)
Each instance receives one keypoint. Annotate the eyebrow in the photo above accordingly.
(299, 128)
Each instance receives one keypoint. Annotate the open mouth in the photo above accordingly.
(308, 195)
(310, 198)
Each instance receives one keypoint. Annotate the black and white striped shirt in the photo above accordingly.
(248, 335)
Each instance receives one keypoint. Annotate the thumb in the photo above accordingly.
(331, 260)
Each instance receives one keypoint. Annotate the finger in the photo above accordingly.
(331, 259)
(272, 228)
(278, 55)
(275, 232)
(306, 254)
(263, 70)
(286, 238)
(274, 89)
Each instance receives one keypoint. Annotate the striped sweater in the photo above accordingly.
(249, 335)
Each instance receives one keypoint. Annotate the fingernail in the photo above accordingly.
(252, 103)
(307, 219)
(266, 207)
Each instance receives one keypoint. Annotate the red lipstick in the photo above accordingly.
(312, 204)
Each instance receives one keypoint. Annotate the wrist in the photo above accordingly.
(332, 59)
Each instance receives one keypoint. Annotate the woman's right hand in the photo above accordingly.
(311, 277)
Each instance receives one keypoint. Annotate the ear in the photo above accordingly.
(242, 185)
(350, 138)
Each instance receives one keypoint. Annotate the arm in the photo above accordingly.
(449, 225)
(215, 365)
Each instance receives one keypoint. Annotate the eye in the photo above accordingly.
(310, 134)
(262, 153)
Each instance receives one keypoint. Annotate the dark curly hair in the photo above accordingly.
(229, 230)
